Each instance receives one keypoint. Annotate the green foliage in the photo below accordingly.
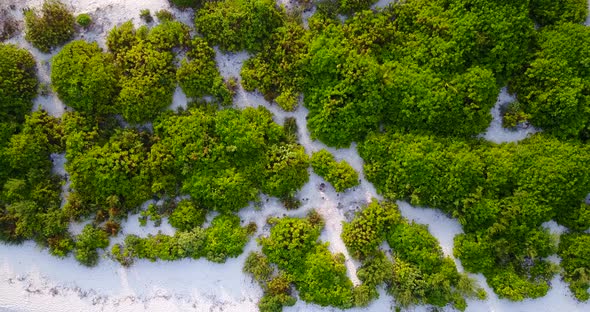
(223, 239)
(186, 216)
(368, 229)
(54, 27)
(546, 12)
(340, 174)
(427, 66)
(236, 25)
(277, 71)
(419, 274)
(147, 82)
(87, 244)
(501, 194)
(18, 82)
(575, 261)
(187, 3)
(85, 78)
(554, 87)
(351, 6)
(116, 168)
(199, 75)
(84, 20)
(222, 159)
(319, 276)
(146, 16)
(258, 266)
(29, 192)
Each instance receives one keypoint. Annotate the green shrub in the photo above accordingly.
(368, 229)
(186, 216)
(18, 82)
(546, 12)
(84, 20)
(199, 75)
(85, 78)
(87, 244)
(340, 174)
(225, 238)
(258, 266)
(236, 25)
(54, 27)
(575, 261)
(187, 3)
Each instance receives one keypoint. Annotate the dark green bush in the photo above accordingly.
(85, 78)
(259, 267)
(547, 12)
(18, 82)
(575, 261)
(50, 29)
(340, 174)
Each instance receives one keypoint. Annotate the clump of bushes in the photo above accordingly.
(199, 75)
(419, 273)
(340, 174)
(278, 70)
(501, 194)
(18, 82)
(87, 244)
(223, 239)
(54, 26)
(319, 276)
(553, 88)
(85, 78)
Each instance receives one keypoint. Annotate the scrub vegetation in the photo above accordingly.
(411, 85)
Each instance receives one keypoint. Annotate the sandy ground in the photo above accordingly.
(32, 280)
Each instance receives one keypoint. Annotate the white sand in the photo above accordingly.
(32, 280)
(495, 132)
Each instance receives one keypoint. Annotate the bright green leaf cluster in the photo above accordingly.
(340, 174)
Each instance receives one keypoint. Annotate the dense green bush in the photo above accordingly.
(236, 25)
(319, 276)
(278, 70)
(222, 159)
(340, 174)
(187, 216)
(547, 12)
(18, 82)
(553, 89)
(52, 28)
(87, 244)
(427, 66)
(575, 261)
(199, 75)
(369, 228)
(501, 194)
(85, 78)
(419, 274)
(29, 191)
